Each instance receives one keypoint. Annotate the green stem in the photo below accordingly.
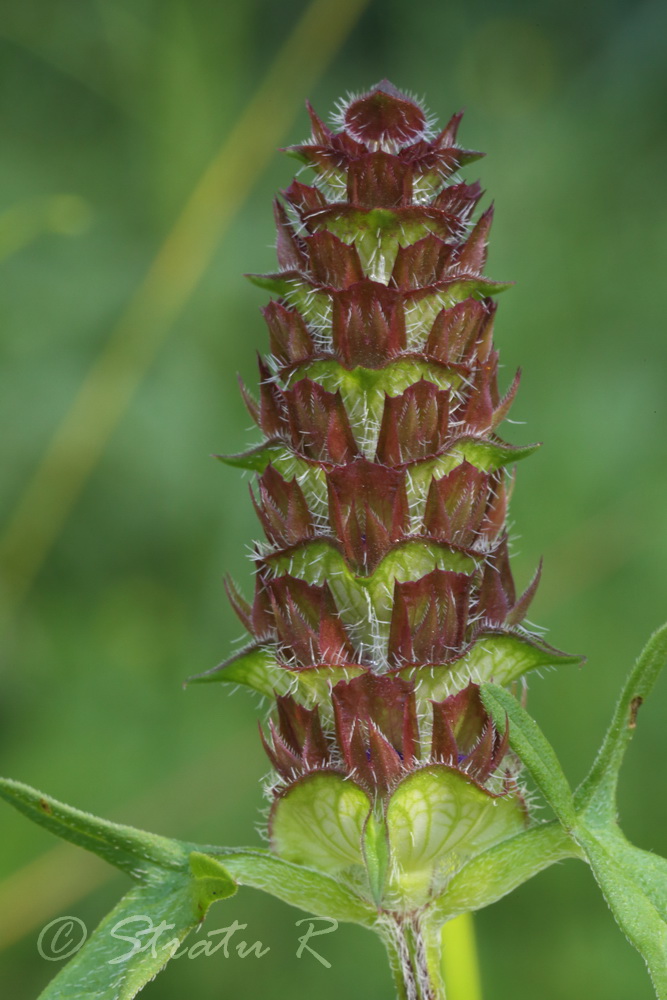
(415, 957)
(430, 961)
(396, 964)
(460, 965)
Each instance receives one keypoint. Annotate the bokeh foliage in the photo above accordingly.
(110, 113)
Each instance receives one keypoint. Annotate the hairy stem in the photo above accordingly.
(415, 956)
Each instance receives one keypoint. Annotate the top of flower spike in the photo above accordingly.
(383, 152)
(384, 115)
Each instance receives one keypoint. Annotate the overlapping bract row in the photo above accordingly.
(434, 618)
(377, 737)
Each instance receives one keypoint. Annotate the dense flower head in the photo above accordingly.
(383, 591)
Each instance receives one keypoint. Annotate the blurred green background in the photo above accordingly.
(110, 114)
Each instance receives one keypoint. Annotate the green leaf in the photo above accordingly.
(211, 882)
(597, 793)
(140, 935)
(493, 455)
(503, 868)
(536, 753)
(312, 891)
(634, 883)
(319, 822)
(437, 819)
(274, 283)
(302, 293)
(180, 882)
(135, 852)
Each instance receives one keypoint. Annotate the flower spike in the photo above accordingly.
(385, 595)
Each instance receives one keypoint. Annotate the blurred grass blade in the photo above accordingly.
(113, 379)
(460, 964)
(20, 225)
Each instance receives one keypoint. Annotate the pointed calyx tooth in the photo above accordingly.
(463, 332)
(368, 325)
(258, 618)
(464, 735)
(241, 607)
(431, 260)
(414, 425)
(458, 200)
(458, 505)
(376, 728)
(429, 618)
(368, 511)
(321, 132)
(477, 411)
(332, 262)
(380, 180)
(282, 509)
(305, 199)
(497, 600)
(300, 726)
(290, 249)
(298, 743)
(424, 263)
(289, 337)
(307, 624)
(272, 415)
(319, 424)
(472, 255)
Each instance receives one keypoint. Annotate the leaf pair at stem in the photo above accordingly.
(177, 882)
